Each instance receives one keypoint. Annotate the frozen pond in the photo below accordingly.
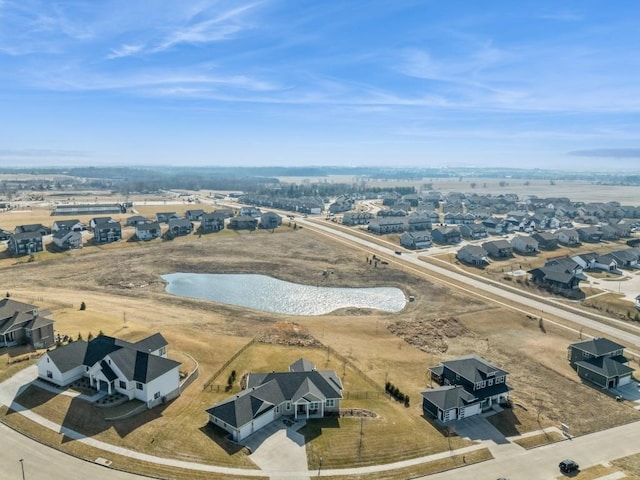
(268, 294)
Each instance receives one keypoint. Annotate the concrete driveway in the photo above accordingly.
(478, 429)
(630, 391)
(279, 450)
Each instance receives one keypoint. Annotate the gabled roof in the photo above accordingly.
(69, 356)
(607, 366)
(27, 235)
(473, 368)
(144, 227)
(448, 397)
(151, 343)
(597, 346)
(264, 391)
(140, 366)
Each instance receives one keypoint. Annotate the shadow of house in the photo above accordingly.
(222, 438)
(313, 428)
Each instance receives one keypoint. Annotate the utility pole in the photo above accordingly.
(22, 467)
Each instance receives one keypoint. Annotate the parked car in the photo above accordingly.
(568, 466)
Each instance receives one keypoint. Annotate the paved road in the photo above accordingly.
(483, 285)
(44, 463)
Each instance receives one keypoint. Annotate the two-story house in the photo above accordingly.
(25, 243)
(469, 385)
(106, 230)
(22, 323)
(600, 361)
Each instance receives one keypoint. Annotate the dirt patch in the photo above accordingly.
(357, 413)
(288, 333)
(430, 335)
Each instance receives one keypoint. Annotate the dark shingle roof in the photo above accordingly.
(301, 365)
(450, 396)
(473, 368)
(141, 366)
(607, 366)
(152, 343)
(597, 346)
(69, 356)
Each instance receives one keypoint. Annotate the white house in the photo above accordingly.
(64, 239)
(138, 370)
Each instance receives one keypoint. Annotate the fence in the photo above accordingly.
(346, 361)
(191, 377)
(209, 384)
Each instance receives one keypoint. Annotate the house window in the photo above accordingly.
(331, 402)
(122, 385)
(500, 379)
(86, 369)
(139, 386)
(288, 405)
(586, 354)
(277, 409)
(163, 351)
(47, 359)
(490, 381)
(156, 395)
(49, 374)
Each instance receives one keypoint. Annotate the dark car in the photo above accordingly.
(398, 252)
(568, 466)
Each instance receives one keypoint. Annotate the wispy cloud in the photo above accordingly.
(607, 153)
(124, 51)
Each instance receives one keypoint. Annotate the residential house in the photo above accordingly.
(243, 222)
(468, 386)
(446, 235)
(546, 240)
(250, 212)
(270, 220)
(106, 230)
(561, 276)
(136, 220)
(194, 214)
(473, 231)
(495, 225)
(148, 231)
(68, 226)
(498, 249)
(473, 255)
(66, 239)
(525, 244)
(22, 323)
(417, 222)
(164, 217)
(139, 370)
(627, 258)
(387, 225)
(24, 243)
(567, 236)
(342, 203)
(601, 362)
(357, 218)
(415, 240)
(179, 227)
(302, 392)
(33, 228)
(211, 223)
(594, 261)
(609, 233)
(589, 234)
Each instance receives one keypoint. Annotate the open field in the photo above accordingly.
(125, 297)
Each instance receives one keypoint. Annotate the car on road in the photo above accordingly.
(398, 252)
(568, 466)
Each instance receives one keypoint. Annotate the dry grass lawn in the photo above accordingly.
(125, 297)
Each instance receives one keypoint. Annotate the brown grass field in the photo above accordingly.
(125, 297)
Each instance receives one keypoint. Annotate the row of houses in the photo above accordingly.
(67, 234)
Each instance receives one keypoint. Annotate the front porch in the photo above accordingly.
(308, 409)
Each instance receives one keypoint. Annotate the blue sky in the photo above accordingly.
(544, 84)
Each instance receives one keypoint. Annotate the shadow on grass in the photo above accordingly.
(506, 422)
(220, 436)
(82, 418)
(313, 428)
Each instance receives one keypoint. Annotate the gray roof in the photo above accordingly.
(132, 359)
(18, 315)
(265, 390)
(597, 346)
(447, 397)
(607, 366)
(473, 368)
(69, 356)
(143, 227)
(302, 365)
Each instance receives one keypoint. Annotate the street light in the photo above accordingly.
(320, 466)
(22, 467)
